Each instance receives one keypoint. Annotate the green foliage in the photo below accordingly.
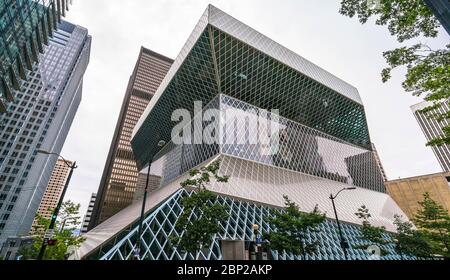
(292, 228)
(433, 221)
(428, 74)
(405, 19)
(432, 236)
(410, 241)
(428, 70)
(201, 217)
(65, 225)
(371, 235)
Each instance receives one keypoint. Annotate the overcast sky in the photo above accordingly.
(312, 29)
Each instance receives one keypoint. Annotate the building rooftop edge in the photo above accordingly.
(327, 79)
(442, 173)
(220, 25)
(155, 54)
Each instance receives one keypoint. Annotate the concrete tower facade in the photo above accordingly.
(120, 175)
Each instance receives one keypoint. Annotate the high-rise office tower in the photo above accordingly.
(25, 27)
(39, 119)
(54, 189)
(432, 128)
(315, 144)
(120, 175)
(87, 217)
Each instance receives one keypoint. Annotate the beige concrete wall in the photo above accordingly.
(409, 191)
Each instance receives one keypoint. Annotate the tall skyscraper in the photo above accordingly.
(39, 119)
(120, 175)
(54, 189)
(26, 27)
(87, 217)
(316, 144)
(432, 128)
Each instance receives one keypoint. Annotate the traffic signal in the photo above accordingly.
(52, 242)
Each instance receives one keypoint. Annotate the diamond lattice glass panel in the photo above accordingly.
(291, 146)
(295, 146)
(249, 36)
(251, 76)
(160, 224)
(194, 81)
(216, 62)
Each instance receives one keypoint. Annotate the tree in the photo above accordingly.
(433, 222)
(428, 70)
(292, 228)
(410, 241)
(68, 216)
(201, 217)
(65, 225)
(371, 235)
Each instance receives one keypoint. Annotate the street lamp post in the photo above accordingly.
(58, 206)
(144, 200)
(344, 244)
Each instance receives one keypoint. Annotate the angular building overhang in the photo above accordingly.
(258, 184)
(223, 55)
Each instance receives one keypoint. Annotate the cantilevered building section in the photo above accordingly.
(26, 26)
(432, 128)
(120, 176)
(319, 144)
(39, 119)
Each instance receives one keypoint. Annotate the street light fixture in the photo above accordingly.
(144, 200)
(58, 206)
(344, 243)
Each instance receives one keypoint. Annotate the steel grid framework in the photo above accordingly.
(160, 224)
(222, 56)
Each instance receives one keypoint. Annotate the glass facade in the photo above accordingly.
(40, 118)
(243, 215)
(317, 144)
(219, 63)
(291, 146)
(441, 9)
(25, 27)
